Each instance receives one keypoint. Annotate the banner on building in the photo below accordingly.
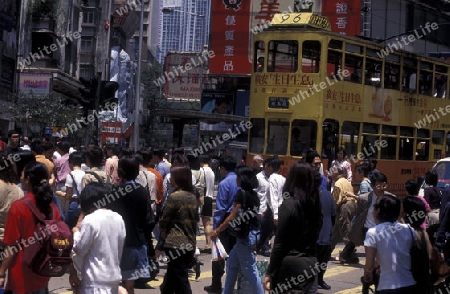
(34, 84)
(344, 16)
(230, 37)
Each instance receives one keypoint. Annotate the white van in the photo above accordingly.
(442, 168)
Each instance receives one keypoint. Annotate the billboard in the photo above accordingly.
(181, 76)
(344, 16)
(34, 84)
(230, 36)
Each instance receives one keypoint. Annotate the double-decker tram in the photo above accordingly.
(312, 88)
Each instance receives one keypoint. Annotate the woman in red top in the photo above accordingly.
(19, 232)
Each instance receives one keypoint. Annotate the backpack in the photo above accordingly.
(108, 185)
(49, 255)
(240, 226)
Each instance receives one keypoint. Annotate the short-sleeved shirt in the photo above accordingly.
(392, 242)
(251, 203)
(77, 176)
(19, 229)
(48, 164)
(9, 193)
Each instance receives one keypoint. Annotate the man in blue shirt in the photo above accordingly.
(224, 203)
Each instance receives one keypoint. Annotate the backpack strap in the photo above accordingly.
(33, 208)
(74, 184)
(96, 176)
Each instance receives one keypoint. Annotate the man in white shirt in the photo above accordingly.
(274, 194)
(207, 207)
(100, 229)
(265, 213)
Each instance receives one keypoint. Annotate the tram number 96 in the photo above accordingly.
(286, 16)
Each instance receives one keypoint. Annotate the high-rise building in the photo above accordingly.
(185, 28)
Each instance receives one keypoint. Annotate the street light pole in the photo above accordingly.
(138, 82)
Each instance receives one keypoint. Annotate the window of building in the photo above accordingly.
(311, 56)
(256, 134)
(258, 58)
(277, 139)
(86, 44)
(303, 136)
(283, 56)
(86, 71)
(39, 41)
(88, 17)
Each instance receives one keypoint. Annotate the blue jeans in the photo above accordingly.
(242, 257)
(72, 215)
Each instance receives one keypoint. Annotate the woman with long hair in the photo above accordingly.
(178, 226)
(19, 231)
(242, 256)
(299, 223)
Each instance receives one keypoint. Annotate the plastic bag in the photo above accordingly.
(218, 252)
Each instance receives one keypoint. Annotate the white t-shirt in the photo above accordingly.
(370, 220)
(78, 175)
(209, 179)
(98, 248)
(393, 242)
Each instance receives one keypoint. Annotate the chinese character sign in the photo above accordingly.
(230, 37)
(344, 15)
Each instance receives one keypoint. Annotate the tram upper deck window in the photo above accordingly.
(409, 75)
(353, 64)
(277, 137)
(258, 58)
(373, 72)
(311, 56)
(283, 56)
(425, 78)
(257, 135)
(440, 82)
(392, 72)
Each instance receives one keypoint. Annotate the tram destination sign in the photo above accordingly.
(279, 102)
(299, 19)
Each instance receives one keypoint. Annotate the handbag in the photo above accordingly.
(299, 265)
(438, 265)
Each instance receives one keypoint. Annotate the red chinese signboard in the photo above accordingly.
(344, 15)
(230, 37)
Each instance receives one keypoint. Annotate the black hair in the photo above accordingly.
(415, 211)
(363, 168)
(227, 162)
(389, 206)
(311, 155)
(47, 146)
(412, 187)
(126, 152)
(204, 159)
(339, 149)
(128, 168)
(182, 176)
(180, 160)
(431, 178)
(194, 162)
(91, 196)
(7, 173)
(115, 148)
(248, 178)
(147, 156)
(274, 163)
(95, 156)
(12, 132)
(38, 177)
(37, 147)
(25, 157)
(64, 146)
(377, 177)
(139, 158)
(159, 152)
(76, 158)
(373, 163)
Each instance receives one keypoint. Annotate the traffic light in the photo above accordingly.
(88, 94)
(107, 92)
